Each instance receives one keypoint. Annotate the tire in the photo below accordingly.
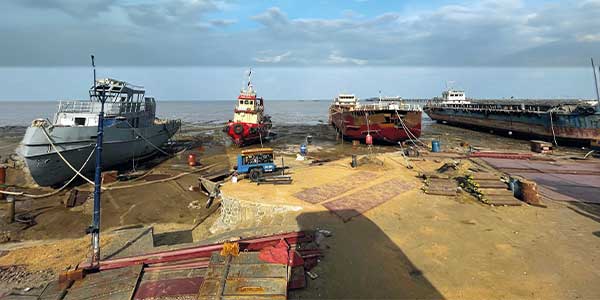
(255, 175)
(238, 128)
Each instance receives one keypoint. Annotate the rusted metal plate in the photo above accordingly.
(215, 271)
(257, 270)
(244, 277)
(112, 284)
(209, 288)
(255, 286)
(324, 192)
(176, 287)
(247, 258)
(357, 203)
(251, 297)
(530, 166)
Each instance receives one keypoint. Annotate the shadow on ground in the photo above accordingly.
(361, 262)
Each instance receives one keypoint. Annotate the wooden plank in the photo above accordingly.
(491, 184)
(503, 200)
(496, 192)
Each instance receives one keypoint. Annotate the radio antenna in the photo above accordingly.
(94, 67)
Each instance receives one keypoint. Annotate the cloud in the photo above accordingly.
(336, 58)
(75, 8)
(588, 37)
(170, 13)
(222, 22)
(199, 32)
(273, 59)
(272, 17)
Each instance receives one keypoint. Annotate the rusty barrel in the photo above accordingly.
(530, 192)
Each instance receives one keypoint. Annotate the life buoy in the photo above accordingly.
(238, 128)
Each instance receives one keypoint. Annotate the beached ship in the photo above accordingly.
(386, 120)
(250, 124)
(569, 120)
(55, 150)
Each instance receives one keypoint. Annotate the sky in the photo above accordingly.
(300, 44)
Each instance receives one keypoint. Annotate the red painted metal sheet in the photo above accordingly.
(181, 266)
(359, 202)
(502, 155)
(168, 288)
(196, 252)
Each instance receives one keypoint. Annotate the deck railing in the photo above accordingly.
(110, 108)
(390, 106)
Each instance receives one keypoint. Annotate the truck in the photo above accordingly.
(255, 162)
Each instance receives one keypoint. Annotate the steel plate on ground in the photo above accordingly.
(324, 192)
(357, 203)
(110, 284)
(169, 288)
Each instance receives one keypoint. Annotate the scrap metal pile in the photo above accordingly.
(253, 268)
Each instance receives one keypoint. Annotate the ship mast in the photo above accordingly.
(596, 84)
(94, 229)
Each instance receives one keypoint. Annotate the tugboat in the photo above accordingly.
(388, 120)
(250, 124)
(55, 151)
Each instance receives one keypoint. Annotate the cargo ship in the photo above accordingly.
(385, 120)
(572, 121)
(250, 124)
(55, 150)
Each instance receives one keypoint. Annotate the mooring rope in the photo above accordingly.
(552, 127)
(409, 133)
(53, 192)
(63, 158)
(145, 139)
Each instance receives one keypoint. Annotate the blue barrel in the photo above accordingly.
(303, 149)
(515, 186)
(435, 146)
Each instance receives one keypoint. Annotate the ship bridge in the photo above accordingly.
(124, 101)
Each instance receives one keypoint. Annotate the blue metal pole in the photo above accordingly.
(98, 186)
(95, 228)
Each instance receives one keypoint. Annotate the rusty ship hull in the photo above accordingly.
(577, 123)
(383, 125)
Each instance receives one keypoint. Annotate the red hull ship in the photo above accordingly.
(250, 125)
(388, 120)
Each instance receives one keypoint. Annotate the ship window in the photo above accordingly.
(251, 102)
(80, 121)
(241, 101)
(246, 102)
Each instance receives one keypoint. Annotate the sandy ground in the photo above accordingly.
(412, 246)
(419, 246)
